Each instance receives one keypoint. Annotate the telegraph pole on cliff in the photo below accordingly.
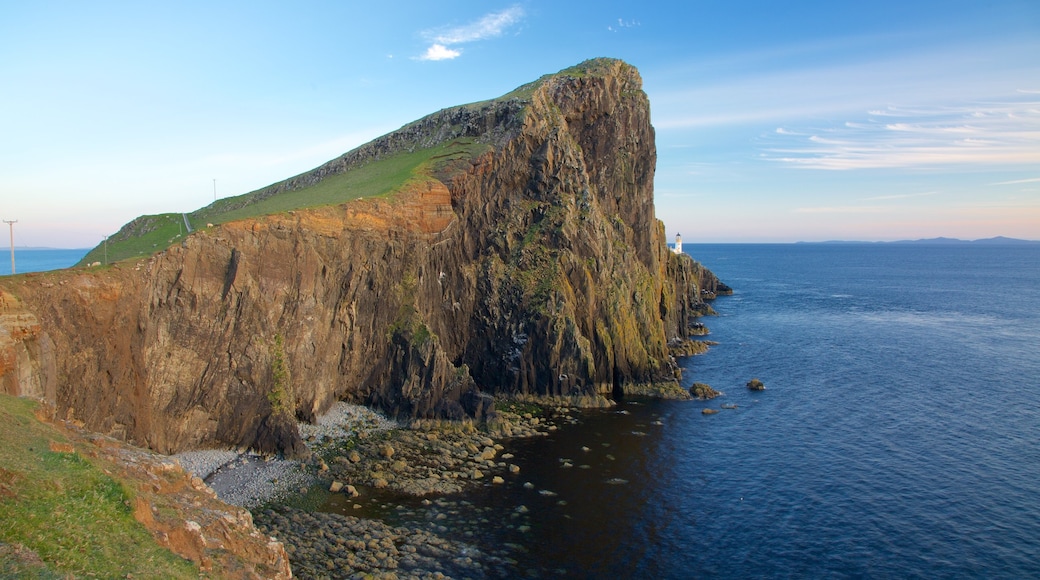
(11, 224)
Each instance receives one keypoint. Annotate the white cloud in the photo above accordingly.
(900, 196)
(440, 52)
(860, 209)
(807, 84)
(1003, 131)
(622, 23)
(489, 26)
(1018, 181)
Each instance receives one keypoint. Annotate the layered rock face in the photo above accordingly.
(536, 267)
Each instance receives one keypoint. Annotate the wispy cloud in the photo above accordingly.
(857, 209)
(1018, 181)
(872, 208)
(900, 196)
(622, 23)
(801, 83)
(1002, 131)
(491, 25)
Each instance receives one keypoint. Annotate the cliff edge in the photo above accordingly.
(522, 256)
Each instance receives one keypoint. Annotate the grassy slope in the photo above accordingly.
(76, 518)
(379, 178)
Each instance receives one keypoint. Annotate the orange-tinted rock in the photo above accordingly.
(537, 266)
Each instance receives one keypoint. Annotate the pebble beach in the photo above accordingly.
(358, 454)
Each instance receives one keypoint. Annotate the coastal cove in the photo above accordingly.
(894, 438)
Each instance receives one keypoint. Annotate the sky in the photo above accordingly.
(776, 122)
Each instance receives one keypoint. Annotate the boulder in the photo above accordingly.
(756, 385)
(703, 391)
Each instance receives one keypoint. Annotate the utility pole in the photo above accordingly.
(11, 224)
(214, 189)
(106, 250)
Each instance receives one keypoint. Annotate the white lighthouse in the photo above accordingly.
(678, 244)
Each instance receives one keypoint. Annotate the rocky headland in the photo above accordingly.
(532, 264)
(518, 274)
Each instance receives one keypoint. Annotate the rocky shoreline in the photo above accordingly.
(377, 472)
(329, 545)
(359, 458)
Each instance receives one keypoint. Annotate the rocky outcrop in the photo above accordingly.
(703, 391)
(534, 267)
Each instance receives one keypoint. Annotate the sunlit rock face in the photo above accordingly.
(537, 266)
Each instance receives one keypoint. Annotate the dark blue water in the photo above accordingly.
(899, 435)
(900, 432)
(41, 260)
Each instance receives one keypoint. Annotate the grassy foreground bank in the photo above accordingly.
(61, 515)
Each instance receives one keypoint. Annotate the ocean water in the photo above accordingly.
(898, 437)
(38, 260)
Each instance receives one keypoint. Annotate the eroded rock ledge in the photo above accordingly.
(536, 268)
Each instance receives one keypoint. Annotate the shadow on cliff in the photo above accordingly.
(528, 261)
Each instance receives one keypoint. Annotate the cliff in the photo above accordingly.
(523, 256)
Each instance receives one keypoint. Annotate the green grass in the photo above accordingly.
(144, 236)
(376, 179)
(70, 513)
(519, 407)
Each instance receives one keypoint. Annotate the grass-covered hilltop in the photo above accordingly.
(378, 169)
(503, 248)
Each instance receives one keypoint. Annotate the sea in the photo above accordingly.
(898, 435)
(38, 259)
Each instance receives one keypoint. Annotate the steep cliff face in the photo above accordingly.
(536, 266)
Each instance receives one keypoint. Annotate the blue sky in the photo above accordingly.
(775, 122)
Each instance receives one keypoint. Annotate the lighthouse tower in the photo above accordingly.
(678, 244)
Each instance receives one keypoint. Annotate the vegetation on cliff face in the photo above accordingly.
(282, 396)
(508, 246)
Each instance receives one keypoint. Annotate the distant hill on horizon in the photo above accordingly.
(996, 241)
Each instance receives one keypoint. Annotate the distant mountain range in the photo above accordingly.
(997, 241)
